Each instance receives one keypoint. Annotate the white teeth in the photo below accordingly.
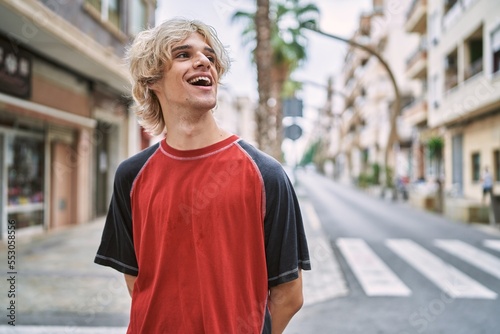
(192, 81)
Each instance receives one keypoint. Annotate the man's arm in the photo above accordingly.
(130, 280)
(284, 301)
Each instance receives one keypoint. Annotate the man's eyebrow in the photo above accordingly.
(188, 46)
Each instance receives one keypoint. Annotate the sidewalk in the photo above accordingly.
(57, 283)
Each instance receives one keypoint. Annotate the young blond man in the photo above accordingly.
(206, 228)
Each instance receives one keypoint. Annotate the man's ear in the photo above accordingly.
(154, 87)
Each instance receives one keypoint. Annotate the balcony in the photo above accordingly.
(416, 113)
(404, 129)
(475, 68)
(58, 39)
(416, 18)
(451, 81)
(468, 100)
(453, 11)
(416, 64)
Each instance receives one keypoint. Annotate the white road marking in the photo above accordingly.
(311, 215)
(325, 280)
(60, 330)
(452, 281)
(473, 255)
(373, 274)
(493, 244)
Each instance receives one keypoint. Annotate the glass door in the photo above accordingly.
(24, 160)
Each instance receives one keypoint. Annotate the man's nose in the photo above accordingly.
(202, 60)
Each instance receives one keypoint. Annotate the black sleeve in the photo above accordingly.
(285, 239)
(117, 244)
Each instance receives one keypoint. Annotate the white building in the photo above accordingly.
(464, 93)
(236, 114)
(369, 94)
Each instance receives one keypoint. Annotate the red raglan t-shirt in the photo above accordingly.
(207, 232)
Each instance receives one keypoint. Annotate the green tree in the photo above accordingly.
(436, 146)
(286, 23)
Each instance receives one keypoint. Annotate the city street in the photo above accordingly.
(378, 267)
(406, 271)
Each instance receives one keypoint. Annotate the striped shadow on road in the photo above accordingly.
(373, 274)
(449, 279)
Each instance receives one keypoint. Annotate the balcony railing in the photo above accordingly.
(420, 54)
(416, 112)
(416, 20)
(414, 6)
(451, 16)
(450, 81)
(474, 68)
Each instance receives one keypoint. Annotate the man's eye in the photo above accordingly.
(182, 55)
(211, 58)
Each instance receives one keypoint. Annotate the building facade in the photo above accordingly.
(464, 74)
(458, 63)
(236, 114)
(65, 119)
(369, 97)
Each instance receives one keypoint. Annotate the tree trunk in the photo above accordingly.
(279, 75)
(263, 54)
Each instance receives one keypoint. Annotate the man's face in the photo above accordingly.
(191, 80)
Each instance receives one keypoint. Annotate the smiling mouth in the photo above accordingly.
(200, 81)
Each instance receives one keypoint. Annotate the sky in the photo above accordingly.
(325, 56)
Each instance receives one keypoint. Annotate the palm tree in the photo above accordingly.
(262, 53)
(287, 22)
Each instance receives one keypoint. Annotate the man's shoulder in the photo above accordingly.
(270, 168)
(130, 167)
(260, 157)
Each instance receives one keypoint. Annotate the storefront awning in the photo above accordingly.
(48, 112)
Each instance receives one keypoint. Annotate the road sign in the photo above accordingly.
(293, 132)
(292, 107)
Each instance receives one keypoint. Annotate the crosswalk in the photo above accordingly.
(373, 274)
(376, 277)
(493, 244)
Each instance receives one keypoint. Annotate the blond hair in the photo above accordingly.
(150, 54)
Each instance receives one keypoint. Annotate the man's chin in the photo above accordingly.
(204, 106)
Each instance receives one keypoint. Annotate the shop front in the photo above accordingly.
(45, 153)
(23, 177)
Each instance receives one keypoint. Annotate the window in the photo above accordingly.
(495, 46)
(25, 180)
(365, 153)
(496, 166)
(476, 167)
(138, 16)
(451, 70)
(474, 54)
(448, 4)
(109, 10)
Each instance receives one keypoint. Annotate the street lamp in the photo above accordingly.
(393, 134)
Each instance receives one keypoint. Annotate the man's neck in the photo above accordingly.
(190, 133)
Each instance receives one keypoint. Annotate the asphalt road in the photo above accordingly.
(406, 271)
